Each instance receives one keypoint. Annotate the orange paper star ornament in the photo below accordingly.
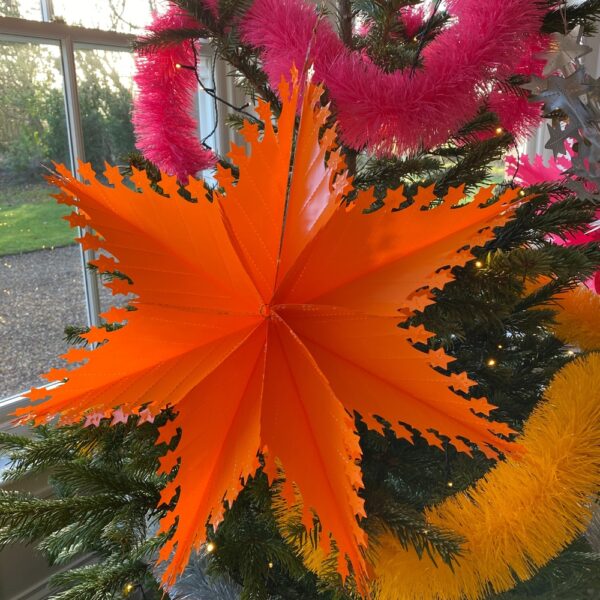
(266, 317)
(105, 264)
(76, 219)
(115, 315)
(74, 355)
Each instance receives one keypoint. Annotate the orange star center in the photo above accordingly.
(265, 311)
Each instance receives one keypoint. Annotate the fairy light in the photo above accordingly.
(210, 547)
(478, 264)
(571, 352)
(270, 565)
(129, 587)
(500, 346)
(521, 193)
(499, 131)
(491, 362)
(450, 484)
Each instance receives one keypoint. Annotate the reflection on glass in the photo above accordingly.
(23, 9)
(127, 16)
(41, 287)
(105, 87)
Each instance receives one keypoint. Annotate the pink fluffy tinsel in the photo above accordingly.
(166, 132)
(391, 113)
(412, 18)
(527, 173)
(516, 113)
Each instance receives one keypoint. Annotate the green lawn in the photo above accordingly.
(31, 220)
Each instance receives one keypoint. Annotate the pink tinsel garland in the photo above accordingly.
(527, 173)
(516, 113)
(166, 132)
(404, 110)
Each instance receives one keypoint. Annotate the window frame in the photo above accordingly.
(69, 38)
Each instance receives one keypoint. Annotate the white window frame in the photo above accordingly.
(67, 37)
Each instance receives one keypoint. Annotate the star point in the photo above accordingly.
(76, 219)
(418, 301)
(563, 51)
(419, 335)
(75, 355)
(145, 417)
(56, 375)
(139, 178)
(115, 315)
(119, 417)
(89, 242)
(438, 358)
(105, 264)
(95, 335)
(35, 394)
(85, 170)
(113, 174)
(461, 382)
(119, 286)
(93, 419)
(426, 195)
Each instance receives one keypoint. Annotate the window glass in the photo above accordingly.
(41, 287)
(127, 16)
(105, 88)
(208, 108)
(24, 9)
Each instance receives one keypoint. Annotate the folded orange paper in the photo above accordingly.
(268, 316)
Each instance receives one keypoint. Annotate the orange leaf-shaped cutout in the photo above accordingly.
(268, 316)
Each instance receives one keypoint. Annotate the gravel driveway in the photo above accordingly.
(40, 293)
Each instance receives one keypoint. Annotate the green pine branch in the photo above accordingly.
(585, 14)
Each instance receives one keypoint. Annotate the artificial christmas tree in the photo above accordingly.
(492, 317)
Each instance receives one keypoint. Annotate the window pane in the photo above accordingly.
(41, 286)
(128, 16)
(207, 106)
(105, 86)
(24, 9)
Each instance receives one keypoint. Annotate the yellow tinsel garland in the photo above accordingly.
(515, 519)
(524, 512)
(578, 319)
